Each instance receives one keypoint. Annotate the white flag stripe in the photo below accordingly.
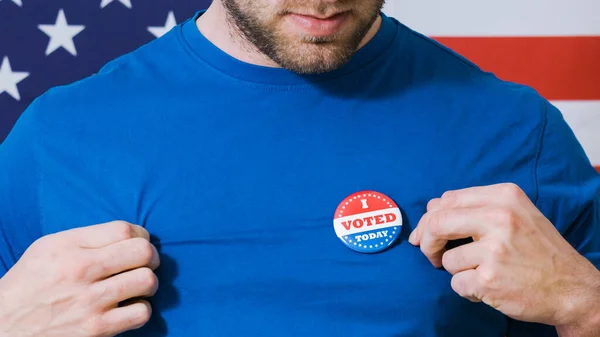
(584, 118)
(517, 18)
(498, 18)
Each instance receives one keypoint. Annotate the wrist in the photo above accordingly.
(582, 315)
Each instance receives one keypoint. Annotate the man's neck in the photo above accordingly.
(213, 24)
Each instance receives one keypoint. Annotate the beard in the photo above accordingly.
(261, 27)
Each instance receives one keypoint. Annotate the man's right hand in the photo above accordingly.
(83, 282)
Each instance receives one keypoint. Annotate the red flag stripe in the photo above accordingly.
(560, 68)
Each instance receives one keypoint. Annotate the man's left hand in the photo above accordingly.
(518, 262)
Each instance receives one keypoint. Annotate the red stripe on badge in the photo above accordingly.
(560, 68)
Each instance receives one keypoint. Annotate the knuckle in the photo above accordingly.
(449, 198)
(511, 191)
(141, 316)
(425, 249)
(506, 218)
(430, 251)
(431, 203)
(449, 260)
(124, 230)
(144, 250)
(498, 250)
(487, 278)
(147, 279)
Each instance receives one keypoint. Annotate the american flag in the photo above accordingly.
(46, 43)
(551, 45)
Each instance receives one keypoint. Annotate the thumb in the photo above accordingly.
(465, 285)
(415, 236)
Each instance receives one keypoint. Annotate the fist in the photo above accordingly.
(90, 281)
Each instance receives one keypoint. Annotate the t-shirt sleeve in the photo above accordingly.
(568, 193)
(19, 174)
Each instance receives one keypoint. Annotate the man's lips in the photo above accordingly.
(319, 26)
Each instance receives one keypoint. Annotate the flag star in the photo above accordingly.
(126, 3)
(9, 79)
(18, 2)
(160, 31)
(61, 34)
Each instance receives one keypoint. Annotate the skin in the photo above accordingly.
(518, 262)
(72, 283)
(261, 32)
(77, 283)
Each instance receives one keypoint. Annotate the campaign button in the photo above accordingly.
(367, 221)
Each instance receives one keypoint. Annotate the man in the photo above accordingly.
(302, 168)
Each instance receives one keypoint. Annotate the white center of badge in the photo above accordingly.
(367, 221)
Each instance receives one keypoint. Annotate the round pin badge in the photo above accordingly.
(367, 221)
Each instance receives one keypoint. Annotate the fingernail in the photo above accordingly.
(412, 237)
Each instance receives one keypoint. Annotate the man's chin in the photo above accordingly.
(313, 68)
(314, 58)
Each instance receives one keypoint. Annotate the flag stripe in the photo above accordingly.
(499, 18)
(560, 68)
(582, 117)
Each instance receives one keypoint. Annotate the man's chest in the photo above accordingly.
(248, 236)
(242, 212)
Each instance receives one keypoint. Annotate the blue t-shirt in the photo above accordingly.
(236, 170)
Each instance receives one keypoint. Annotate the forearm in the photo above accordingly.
(5, 312)
(3, 316)
(585, 315)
